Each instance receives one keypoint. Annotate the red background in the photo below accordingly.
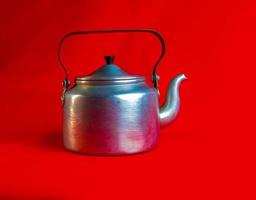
(207, 153)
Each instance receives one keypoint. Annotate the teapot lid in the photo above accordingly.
(110, 73)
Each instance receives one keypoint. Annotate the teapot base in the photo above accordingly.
(115, 146)
(109, 154)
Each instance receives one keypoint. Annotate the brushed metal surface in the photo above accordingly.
(111, 119)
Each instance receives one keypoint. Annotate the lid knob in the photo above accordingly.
(109, 59)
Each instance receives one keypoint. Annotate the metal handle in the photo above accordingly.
(155, 77)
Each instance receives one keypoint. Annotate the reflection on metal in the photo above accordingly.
(131, 98)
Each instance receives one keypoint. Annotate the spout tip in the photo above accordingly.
(182, 77)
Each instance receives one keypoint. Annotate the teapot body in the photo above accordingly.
(115, 119)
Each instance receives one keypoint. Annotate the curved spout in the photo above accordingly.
(170, 109)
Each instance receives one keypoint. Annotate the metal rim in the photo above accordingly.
(137, 78)
(117, 81)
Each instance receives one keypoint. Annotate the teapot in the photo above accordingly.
(111, 112)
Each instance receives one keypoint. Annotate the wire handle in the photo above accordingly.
(155, 77)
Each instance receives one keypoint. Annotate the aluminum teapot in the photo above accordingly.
(112, 112)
